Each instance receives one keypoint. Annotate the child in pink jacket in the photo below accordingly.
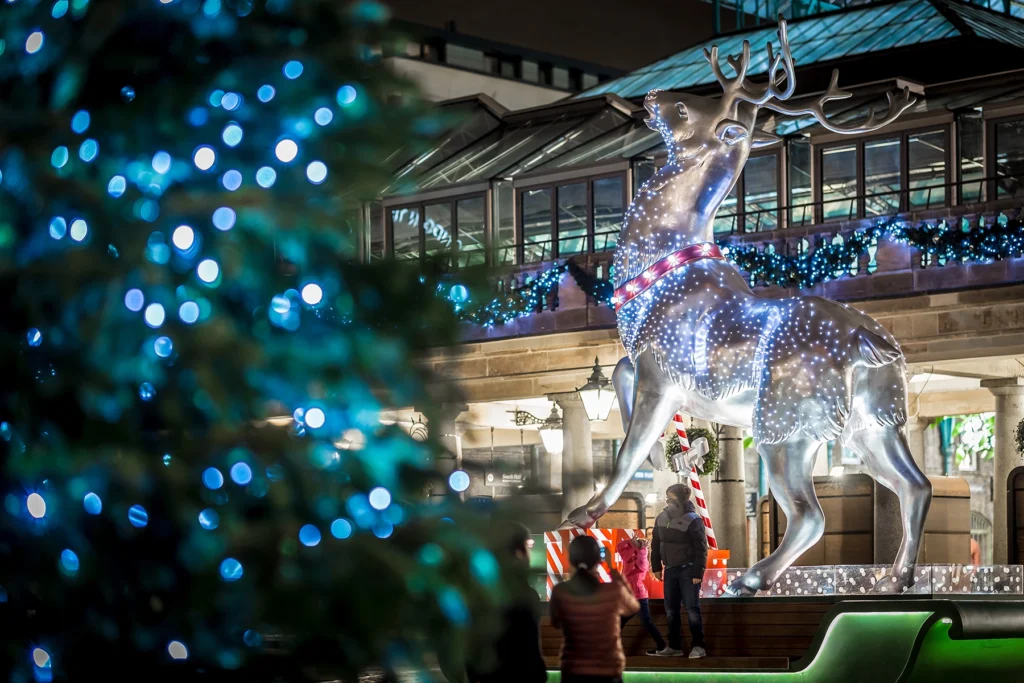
(635, 566)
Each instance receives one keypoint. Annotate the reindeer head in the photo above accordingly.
(716, 135)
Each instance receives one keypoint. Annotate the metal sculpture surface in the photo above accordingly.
(797, 372)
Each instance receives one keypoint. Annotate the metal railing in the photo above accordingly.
(833, 209)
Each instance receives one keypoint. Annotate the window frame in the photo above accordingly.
(553, 187)
(421, 206)
(859, 142)
(990, 146)
(740, 217)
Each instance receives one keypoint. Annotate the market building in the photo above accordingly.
(917, 225)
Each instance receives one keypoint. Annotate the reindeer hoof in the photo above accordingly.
(739, 589)
(582, 517)
(893, 585)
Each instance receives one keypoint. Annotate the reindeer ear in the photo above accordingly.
(730, 132)
(763, 138)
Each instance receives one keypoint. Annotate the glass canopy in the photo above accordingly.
(827, 37)
(599, 128)
(477, 151)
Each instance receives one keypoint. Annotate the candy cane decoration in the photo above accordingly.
(698, 495)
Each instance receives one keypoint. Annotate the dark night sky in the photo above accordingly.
(620, 34)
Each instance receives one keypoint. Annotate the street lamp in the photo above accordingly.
(597, 395)
(551, 432)
(550, 429)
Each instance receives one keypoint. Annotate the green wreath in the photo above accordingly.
(1020, 437)
(711, 460)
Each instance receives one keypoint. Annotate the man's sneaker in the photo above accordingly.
(652, 653)
(669, 652)
(698, 652)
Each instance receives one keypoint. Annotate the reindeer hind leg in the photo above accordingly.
(789, 466)
(884, 451)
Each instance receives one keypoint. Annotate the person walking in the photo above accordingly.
(589, 612)
(517, 654)
(680, 548)
(635, 566)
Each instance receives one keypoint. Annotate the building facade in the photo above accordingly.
(917, 225)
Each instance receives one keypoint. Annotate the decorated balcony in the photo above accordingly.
(852, 260)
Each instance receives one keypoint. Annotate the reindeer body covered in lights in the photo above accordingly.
(797, 371)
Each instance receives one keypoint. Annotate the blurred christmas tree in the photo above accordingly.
(195, 480)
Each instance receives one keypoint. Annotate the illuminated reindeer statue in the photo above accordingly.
(797, 372)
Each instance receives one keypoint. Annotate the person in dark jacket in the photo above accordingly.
(680, 546)
(517, 654)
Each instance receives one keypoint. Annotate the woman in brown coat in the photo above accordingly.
(589, 613)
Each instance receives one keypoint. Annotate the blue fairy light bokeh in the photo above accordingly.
(138, 517)
(309, 535)
(209, 519)
(213, 478)
(206, 360)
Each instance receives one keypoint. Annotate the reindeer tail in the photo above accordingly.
(875, 351)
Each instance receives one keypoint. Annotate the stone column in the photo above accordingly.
(915, 439)
(551, 467)
(577, 452)
(1009, 395)
(728, 491)
(448, 434)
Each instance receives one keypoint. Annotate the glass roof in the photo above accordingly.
(473, 120)
(817, 39)
(618, 144)
(511, 149)
(597, 125)
(496, 151)
(489, 145)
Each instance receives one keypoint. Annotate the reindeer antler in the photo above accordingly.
(782, 84)
(740, 89)
(898, 103)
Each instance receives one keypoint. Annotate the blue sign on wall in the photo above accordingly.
(644, 475)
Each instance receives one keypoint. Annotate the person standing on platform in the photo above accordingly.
(588, 612)
(517, 654)
(680, 547)
(634, 567)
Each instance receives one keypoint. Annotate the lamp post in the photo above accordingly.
(597, 395)
(550, 430)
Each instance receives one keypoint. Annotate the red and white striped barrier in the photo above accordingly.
(556, 546)
(698, 494)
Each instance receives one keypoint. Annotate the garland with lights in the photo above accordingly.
(515, 303)
(965, 242)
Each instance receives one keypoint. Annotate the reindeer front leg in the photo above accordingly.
(624, 381)
(655, 401)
